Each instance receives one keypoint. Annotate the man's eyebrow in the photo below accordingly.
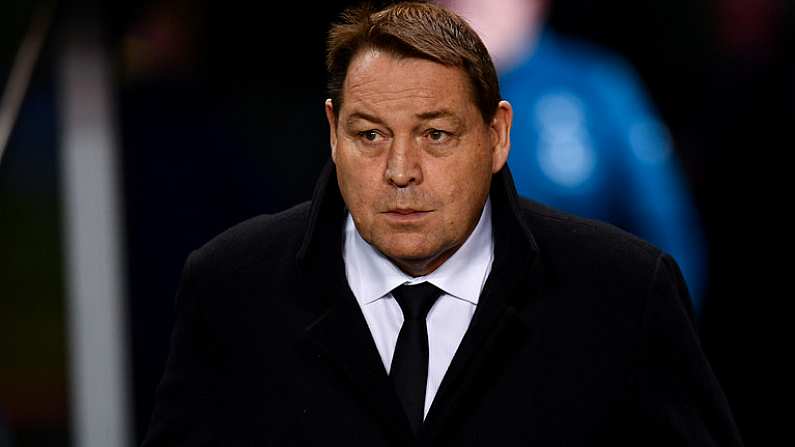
(442, 113)
(365, 116)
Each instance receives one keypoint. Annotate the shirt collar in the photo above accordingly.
(372, 276)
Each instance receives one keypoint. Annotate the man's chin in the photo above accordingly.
(407, 254)
(416, 259)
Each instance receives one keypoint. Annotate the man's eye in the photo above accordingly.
(437, 135)
(369, 135)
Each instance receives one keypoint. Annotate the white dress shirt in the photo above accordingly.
(372, 277)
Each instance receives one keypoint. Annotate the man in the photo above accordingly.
(416, 300)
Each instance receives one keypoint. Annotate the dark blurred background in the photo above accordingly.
(217, 116)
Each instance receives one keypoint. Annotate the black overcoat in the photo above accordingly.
(583, 336)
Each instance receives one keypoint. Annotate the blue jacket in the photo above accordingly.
(586, 140)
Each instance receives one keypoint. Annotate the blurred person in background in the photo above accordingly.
(586, 138)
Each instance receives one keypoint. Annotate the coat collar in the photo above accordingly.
(338, 331)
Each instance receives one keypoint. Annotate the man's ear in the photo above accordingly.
(500, 129)
(332, 126)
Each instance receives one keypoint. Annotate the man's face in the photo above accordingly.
(414, 157)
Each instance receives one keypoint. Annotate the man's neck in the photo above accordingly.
(462, 271)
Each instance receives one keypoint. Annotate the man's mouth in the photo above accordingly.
(406, 214)
(405, 211)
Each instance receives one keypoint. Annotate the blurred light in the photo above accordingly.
(92, 237)
(22, 70)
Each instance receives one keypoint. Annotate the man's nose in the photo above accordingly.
(403, 166)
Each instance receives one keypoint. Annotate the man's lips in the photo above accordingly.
(405, 214)
(406, 211)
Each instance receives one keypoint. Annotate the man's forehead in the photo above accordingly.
(366, 60)
(379, 80)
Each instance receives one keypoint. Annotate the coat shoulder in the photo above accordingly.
(257, 239)
(572, 240)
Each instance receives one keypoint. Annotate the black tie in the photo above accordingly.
(409, 370)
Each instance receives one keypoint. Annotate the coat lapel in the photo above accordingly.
(503, 321)
(501, 325)
(341, 337)
(339, 334)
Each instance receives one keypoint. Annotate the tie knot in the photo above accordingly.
(416, 300)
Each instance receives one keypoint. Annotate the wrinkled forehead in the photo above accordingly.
(380, 80)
